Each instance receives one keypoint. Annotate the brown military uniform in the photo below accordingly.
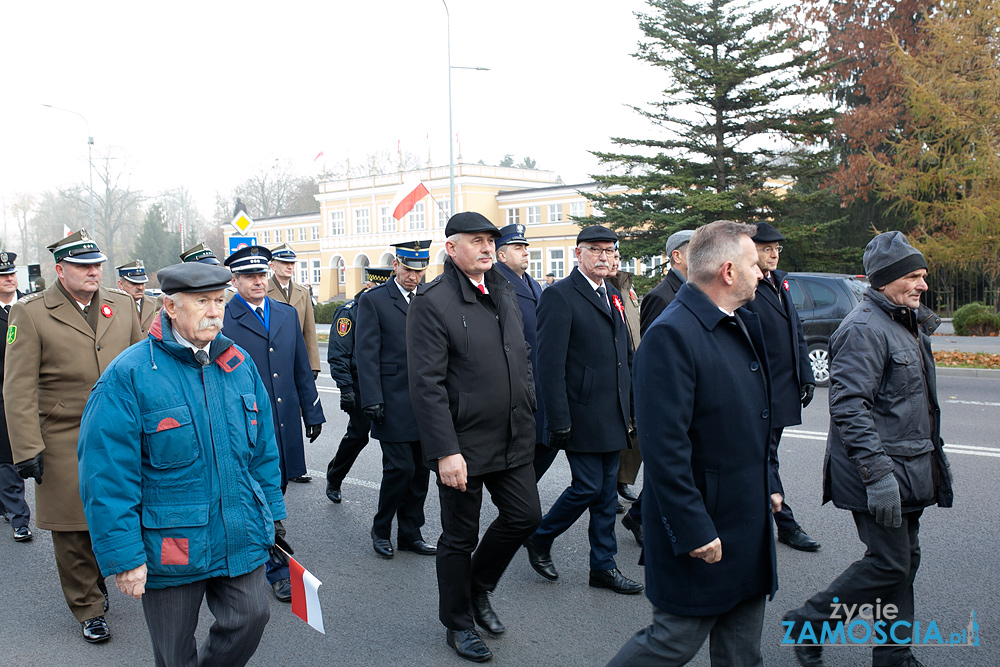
(146, 313)
(631, 459)
(53, 359)
(299, 299)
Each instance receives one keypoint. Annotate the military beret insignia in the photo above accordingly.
(343, 326)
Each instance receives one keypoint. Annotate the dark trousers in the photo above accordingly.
(545, 456)
(463, 568)
(671, 640)
(403, 491)
(78, 573)
(593, 487)
(240, 607)
(12, 496)
(351, 444)
(886, 571)
(784, 519)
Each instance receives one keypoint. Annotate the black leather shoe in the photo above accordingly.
(382, 546)
(614, 580)
(304, 479)
(541, 559)
(282, 589)
(468, 645)
(417, 546)
(22, 534)
(797, 539)
(104, 591)
(333, 493)
(95, 630)
(634, 526)
(485, 617)
(626, 492)
(620, 507)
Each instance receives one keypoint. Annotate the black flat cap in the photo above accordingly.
(470, 222)
(767, 234)
(193, 277)
(596, 233)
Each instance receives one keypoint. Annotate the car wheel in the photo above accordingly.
(819, 360)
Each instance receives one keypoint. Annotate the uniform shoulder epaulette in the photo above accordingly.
(347, 305)
(119, 291)
(34, 296)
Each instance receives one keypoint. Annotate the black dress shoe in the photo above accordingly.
(620, 508)
(485, 617)
(104, 591)
(541, 559)
(626, 492)
(282, 589)
(303, 479)
(22, 534)
(798, 539)
(417, 546)
(468, 645)
(614, 580)
(95, 630)
(333, 493)
(382, 546)
(634, 526)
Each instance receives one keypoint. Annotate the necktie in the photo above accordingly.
(260, 312)
(603, 293)
(6, 309)
(482, 289)
(409, 297)
(202, 357)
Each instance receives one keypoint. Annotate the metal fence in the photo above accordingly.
(950, 288)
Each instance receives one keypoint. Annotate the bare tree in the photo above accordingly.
(267, 192)
(23, 208)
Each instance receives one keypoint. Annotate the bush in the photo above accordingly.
(324, 311)
(975, 319)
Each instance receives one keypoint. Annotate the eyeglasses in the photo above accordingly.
(600, 252)
(767, 250)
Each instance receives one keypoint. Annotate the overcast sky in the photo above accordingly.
(203, 94)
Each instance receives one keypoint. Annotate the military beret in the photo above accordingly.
(596, 233)
(193, 277)
(470, 222)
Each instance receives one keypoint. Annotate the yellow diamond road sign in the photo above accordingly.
(242, 222)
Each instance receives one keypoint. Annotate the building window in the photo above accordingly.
(303, 273)
(577, 209)
(557, 262)
(317, 272)
(444, 212)
(388, 222)
(534, 215)
(265, 237)
(277, 236)
(341, 272)
(314, 233)
(337, 225)
(417, 218)
(629, 266)
(535, 263)
(555, 212)
(303, 233)
(513, 216)
(362, 221)
(576, 261)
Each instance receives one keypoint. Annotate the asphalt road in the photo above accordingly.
(381, 612)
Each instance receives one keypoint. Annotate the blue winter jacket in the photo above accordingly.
(178, 463)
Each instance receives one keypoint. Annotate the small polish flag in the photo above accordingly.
(305, 595)
(318, 156)
(66, 231)
(407, 197)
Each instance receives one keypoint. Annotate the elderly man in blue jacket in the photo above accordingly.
(179, 476)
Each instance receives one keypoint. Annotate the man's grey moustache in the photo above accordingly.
(210, 322)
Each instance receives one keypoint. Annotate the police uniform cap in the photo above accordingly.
(596, 233)
(283, 253)
(767, 234)
(512, 234)
(199, 253)
(7, 263)
(378, 274)
(413, 254)
(251, 259)
(469, 222)
(192, 277)
(134, 272)
(77, 248)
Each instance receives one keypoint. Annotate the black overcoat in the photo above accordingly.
(658, 298)
(705, 449)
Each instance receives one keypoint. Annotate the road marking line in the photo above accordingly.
(992, 405)
(328, 390)
(321, 474)
(992, 452)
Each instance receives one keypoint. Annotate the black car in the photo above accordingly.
(823, 300)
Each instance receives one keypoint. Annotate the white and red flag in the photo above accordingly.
(407, 197)
(305, 595)
(318, 156)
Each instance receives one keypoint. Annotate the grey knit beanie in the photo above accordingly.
(890, 256)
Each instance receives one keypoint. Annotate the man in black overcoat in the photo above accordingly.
(473, 394)
(584, 355)
(12, 505)
(658, 298)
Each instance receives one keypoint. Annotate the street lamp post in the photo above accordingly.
(90, 162)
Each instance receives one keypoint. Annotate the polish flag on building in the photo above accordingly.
(305, 595)
(407, 197)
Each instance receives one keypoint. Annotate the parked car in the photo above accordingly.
(823, 300)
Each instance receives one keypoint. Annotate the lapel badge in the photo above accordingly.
(106, 310)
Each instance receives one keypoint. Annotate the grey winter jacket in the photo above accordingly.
(884, 413)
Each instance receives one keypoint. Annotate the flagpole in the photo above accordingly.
(451, 145)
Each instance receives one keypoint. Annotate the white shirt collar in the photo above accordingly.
(188, 344)
(406, 295)
(592, 283)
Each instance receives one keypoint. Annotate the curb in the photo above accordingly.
(948, 371)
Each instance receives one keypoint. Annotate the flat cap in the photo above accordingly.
(767, 234)
(512, 234)
(192, 277)
(470, 222)
(283, 253)
(249, 259)
(134, 272)
(677, 239)
(890, 256)
(199, 253)
(596, 233)
(7, 263)
(77, 248)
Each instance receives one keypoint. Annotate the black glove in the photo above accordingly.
(312, 432)
(348, 401)
(277, 557)
(315, 375)
(375, 412)
(558, 439)
(807, 394)
(31, 468)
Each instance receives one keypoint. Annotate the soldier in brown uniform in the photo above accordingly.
(132, 280)
(58, 343)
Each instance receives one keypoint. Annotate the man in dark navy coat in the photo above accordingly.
(584, 355)
(380, 350)
(709, 544)
(269, 332)
(512, 262)
(12, 505)
(792, 383)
